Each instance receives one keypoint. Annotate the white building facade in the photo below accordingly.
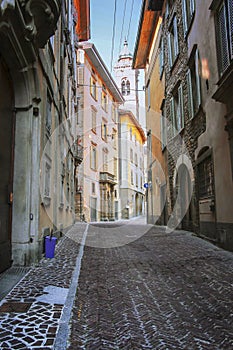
(97, 180)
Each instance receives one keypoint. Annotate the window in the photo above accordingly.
(128, 87)
(93, 157)
(206, 178)
(130, 134)
(169, 5)
(161, 58)
(104, 130)
(48, 120)
(93, 119)
(93, 88)
(47, 180)
(114, 138)
(93, 188)
(105, 159)
(131, 177)
(104, 100)
(177, 111)
(194, 84)
(136, 159)
(173, 45)
(123, 87)
(188, 8)
(114, 112)
(224, 33)
(131, 155)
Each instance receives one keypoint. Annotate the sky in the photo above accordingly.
(102, 19)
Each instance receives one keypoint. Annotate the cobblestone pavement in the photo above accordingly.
(158, 291)
(30, 314)
(161, 291)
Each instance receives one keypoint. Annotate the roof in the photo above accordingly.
(83, 20)
(124, 112)
(150, 12)
(100, 67)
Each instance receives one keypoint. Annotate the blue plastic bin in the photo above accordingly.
(50, 243)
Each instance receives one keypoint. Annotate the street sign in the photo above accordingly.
(146, 185)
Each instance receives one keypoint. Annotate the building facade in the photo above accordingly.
(99, 98)
(36, 59)
(131, 165)
(147, 56)
(196, 56)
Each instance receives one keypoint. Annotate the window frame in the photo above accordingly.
(173, 42)
(177, 111)
(194, 91)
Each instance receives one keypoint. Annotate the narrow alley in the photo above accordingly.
(155, 290)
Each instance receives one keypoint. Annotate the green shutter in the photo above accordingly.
(222, 41)
(176, 42)
(192, 7)
(198, 77)
(172, 116)
(184, 10)
(230, 16)
(190, 94)
(181, 106)
(170, 50)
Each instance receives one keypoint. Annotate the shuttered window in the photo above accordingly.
(206, 178)
(173, 44)
(224, 33)
(161, 58)
(177, 111)
(188, 9)
(194, 84)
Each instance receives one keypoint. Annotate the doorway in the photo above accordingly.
(6, 157)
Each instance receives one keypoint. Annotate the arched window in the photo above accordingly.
(123, 87)
(128, 87)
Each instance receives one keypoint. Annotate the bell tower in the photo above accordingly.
(127, 80)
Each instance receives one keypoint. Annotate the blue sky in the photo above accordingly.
(102, 15)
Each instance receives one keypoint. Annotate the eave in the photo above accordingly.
(98, 64)
(83, 19)
(146, 29)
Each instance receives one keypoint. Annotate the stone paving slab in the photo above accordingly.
(162, 291)
(44, 289)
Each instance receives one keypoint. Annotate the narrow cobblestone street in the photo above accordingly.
(162, 291)
(158, 291)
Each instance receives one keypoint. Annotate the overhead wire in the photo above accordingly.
(113, 32)
(131, 13)
(122, 28)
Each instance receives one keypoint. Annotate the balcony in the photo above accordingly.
(78, 154)
(106, 177)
